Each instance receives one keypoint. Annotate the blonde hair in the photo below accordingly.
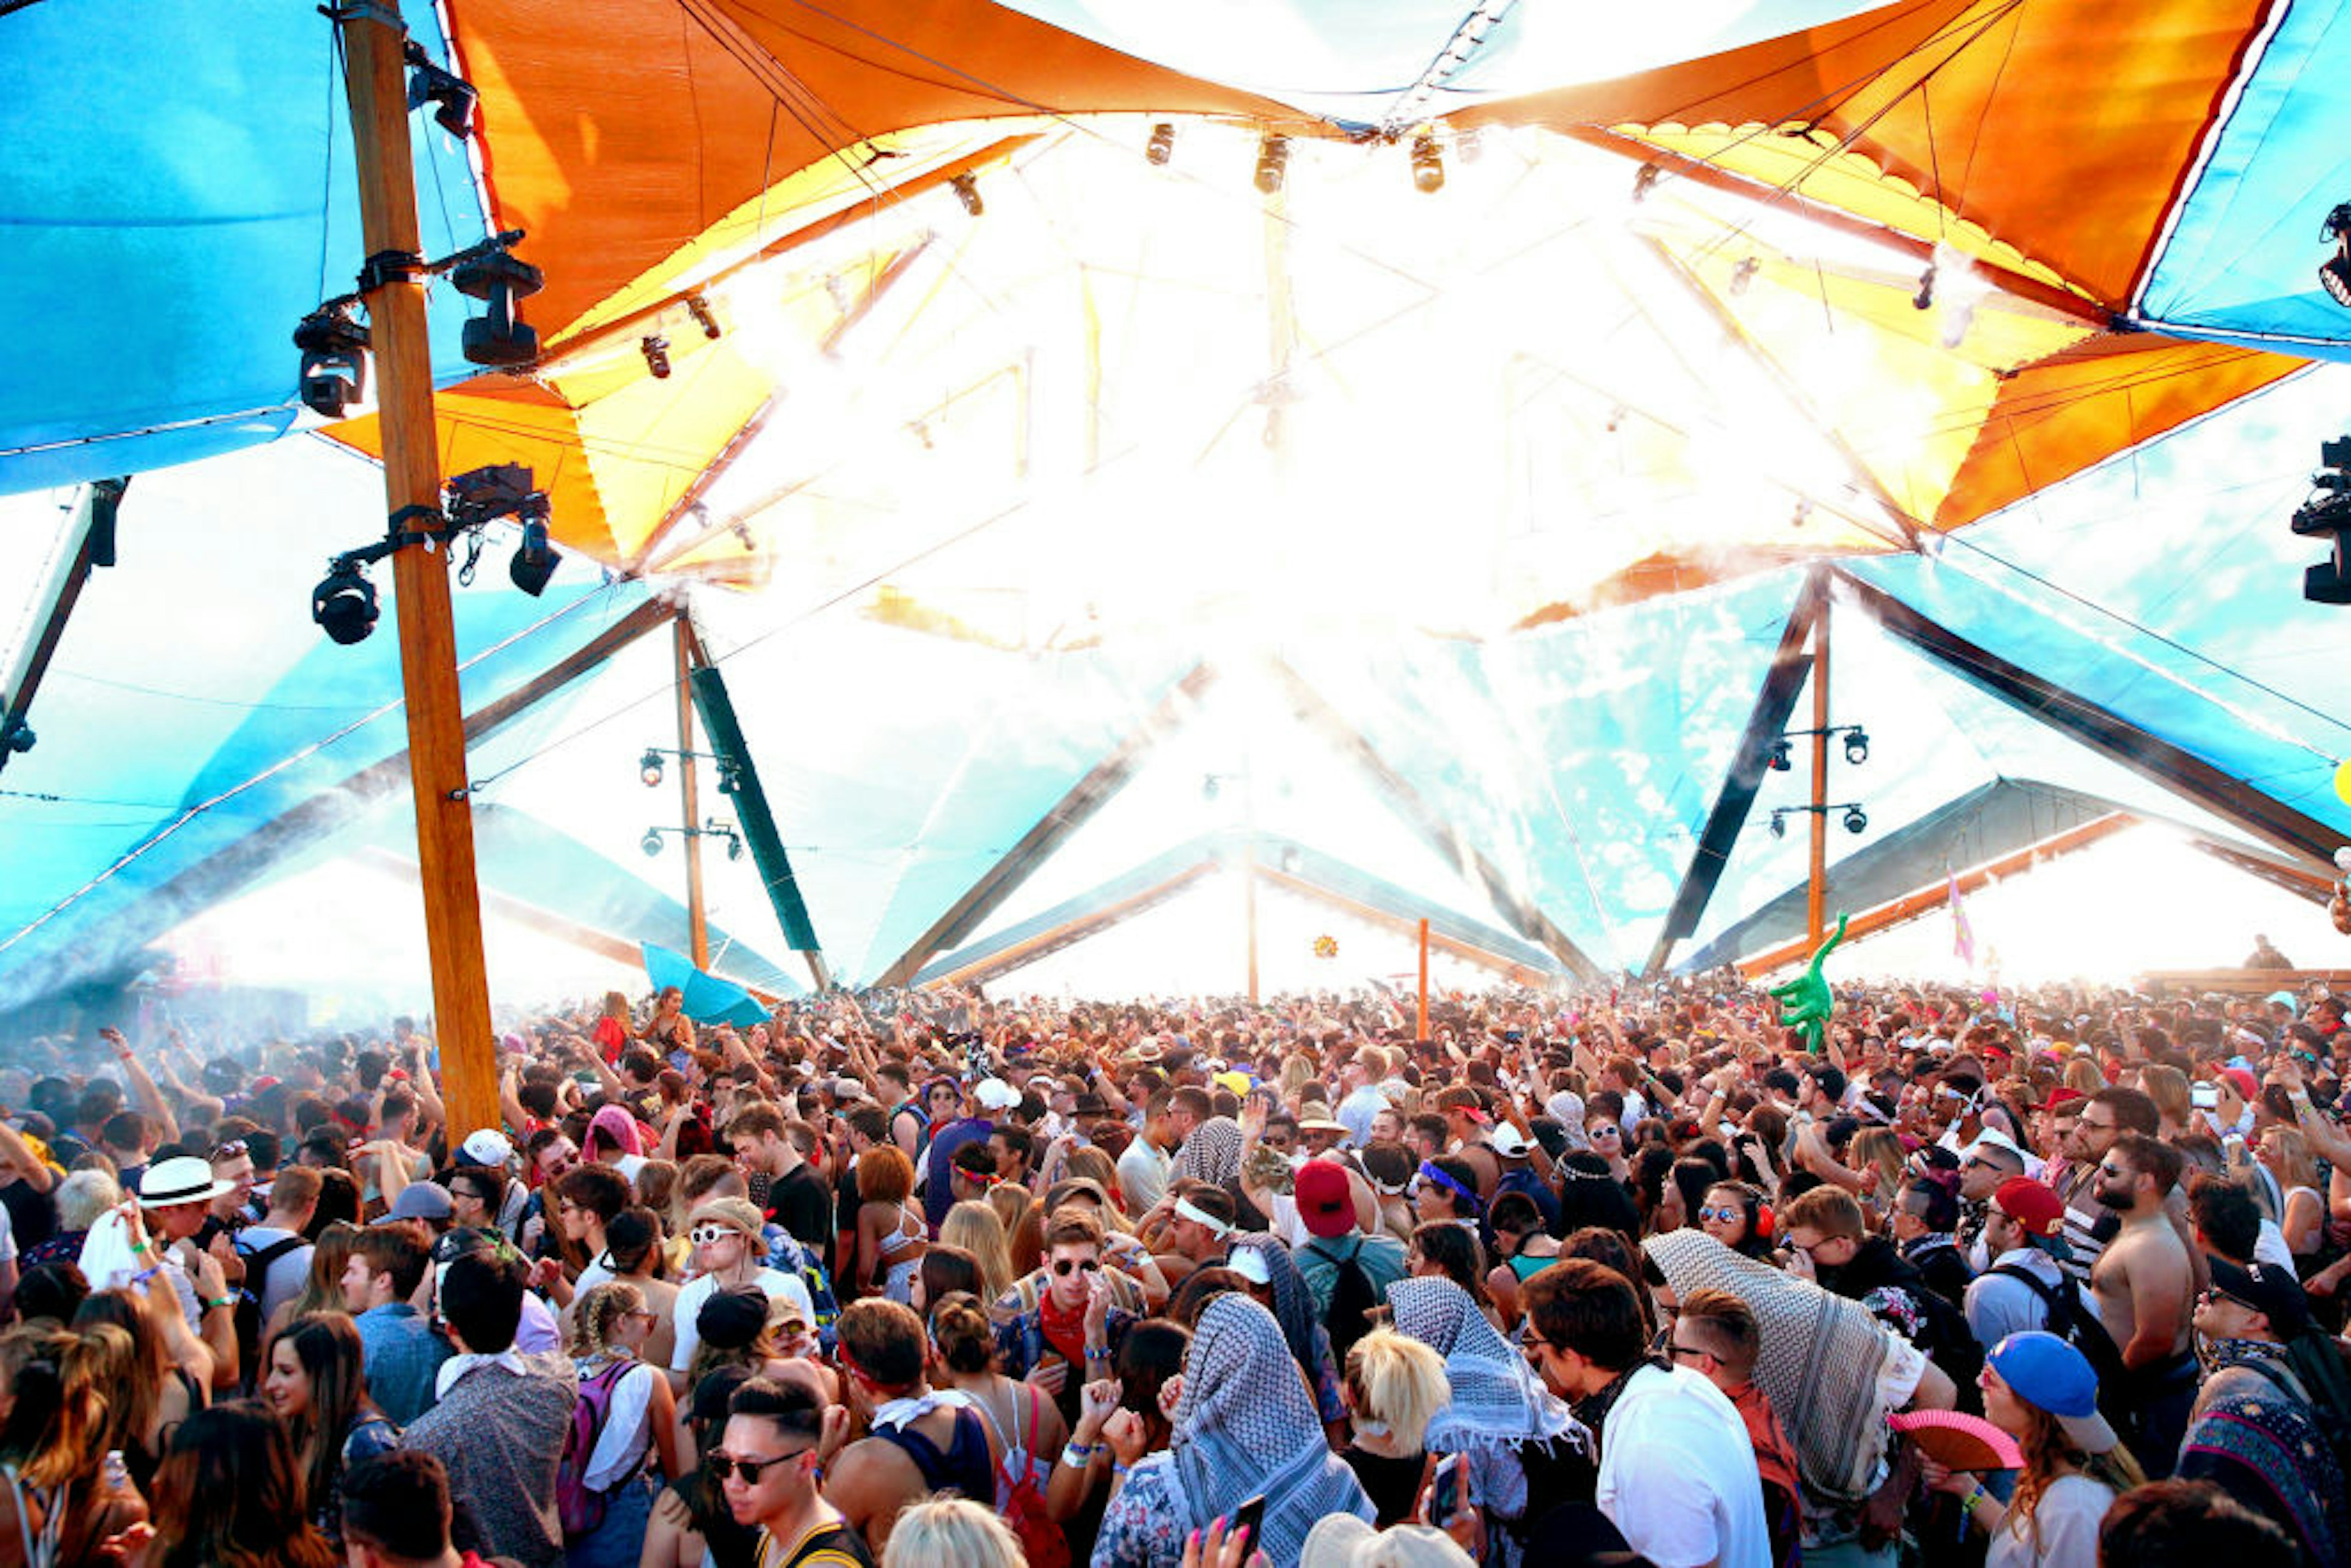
(2082, 1074)
(1396, 1379)
(595, 1314)
(2297, 1168)
(2167, 1087)
(951, 1533)
(1882, 1147)
(976, 1228)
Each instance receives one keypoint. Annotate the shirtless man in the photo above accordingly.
(2145, 1285)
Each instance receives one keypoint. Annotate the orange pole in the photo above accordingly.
(1422, 1033)
(697, 918)
(1816, 885)
(374, 35)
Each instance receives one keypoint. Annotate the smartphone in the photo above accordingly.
(1445, 1490)
(2204, 1097)
(1249, 1517)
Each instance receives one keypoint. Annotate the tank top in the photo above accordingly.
(964, 1467)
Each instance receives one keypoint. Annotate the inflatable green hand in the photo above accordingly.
(1804, 1001)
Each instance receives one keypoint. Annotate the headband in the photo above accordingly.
(1430, 1173)
(1187, 1209)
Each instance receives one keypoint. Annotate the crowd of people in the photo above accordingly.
(926, 1278)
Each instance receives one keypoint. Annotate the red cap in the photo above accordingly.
(2031, 1205)
(2246, 1085)
(2063, 1094)
(1326, 1206)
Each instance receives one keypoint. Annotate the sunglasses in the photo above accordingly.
(727, 1467)
(1726, 1216)
(1063, 1265)
(229, 1150)
(710, 1235)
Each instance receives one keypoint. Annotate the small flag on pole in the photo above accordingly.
(1963, 935)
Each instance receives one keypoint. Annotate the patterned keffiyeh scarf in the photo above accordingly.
(1245, 1426)
(1212, 1153)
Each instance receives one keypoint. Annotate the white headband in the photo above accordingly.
(1185, 1209)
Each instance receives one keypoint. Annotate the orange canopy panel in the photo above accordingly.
(2063, 130)
(617, 131)
(2079, 407)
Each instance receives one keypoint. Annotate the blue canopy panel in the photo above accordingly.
(1583, 757)
(192, 703)
(2241, 263)
(1351, 64)
(176, 192)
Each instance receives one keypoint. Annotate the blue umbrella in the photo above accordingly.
(708, 999)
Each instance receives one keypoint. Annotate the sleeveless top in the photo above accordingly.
(964, 1467)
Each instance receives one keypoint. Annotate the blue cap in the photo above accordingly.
(2047, 1373)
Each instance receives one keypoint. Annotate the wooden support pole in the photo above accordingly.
(374, 35)
(1422, 1031)
(1248, 912)
(689, 790)
(1816, 885)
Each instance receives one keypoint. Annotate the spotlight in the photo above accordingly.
(1742, 275)
(1856, 745)
(452, 97)
(344, 605)
(2335, 272)
(1645, 180)
(727, 780)
(334, 361)
(1778, 826)
(966, 190)
(105, 509)
(699, 308)
(655, 348)
(1162, 145)
(734, 846)
(651, 843)
(1802, 514)
(649, 768)
(1427, 164)
(1925, 298)
(18, 736)
(1855, 819)
(534, 559)
(1781, 761)
(742, 532)
(499, 336)
(2327, 515)
(1291, 860)
(1273, 164)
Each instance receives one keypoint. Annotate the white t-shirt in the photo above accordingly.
(1677, 1474)
(779, 1286)
(622, 1444)
(2065, 1522)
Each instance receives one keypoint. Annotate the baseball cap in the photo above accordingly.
(2271, 1291)
(995, 1094)
(1324, 1204)
(1509, 1143)
(1343, 1541)
(1249, 1263)
(2246, 1085)
(2050, 1374)
(732, 1319)
(423, 1200)
(2038, 1210)
(2063, 1094)
(484, 1147)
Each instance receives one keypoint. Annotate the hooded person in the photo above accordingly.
(1293, 1308)
(1833, 1372)
(1519, 1439)
(1244, 1428)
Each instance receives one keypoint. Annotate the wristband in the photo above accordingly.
(1968, 1503)
(1077, 1455)
(138, 1246)
(223, 1301)
(1118, 1469)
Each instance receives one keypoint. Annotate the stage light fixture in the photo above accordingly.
(734, 846)
(1645, 180)
(1856, 745)
(1925, 298)
(18, 735)
(2327, 515)
(2335, 272)
(966, 190)
(649, 768)
(1427, 164)
(728, 780)
(343, 604)
(742, 532)
(534, 559)
(699, 308)
(651, 843)
(1778, 826)
(1273, 164)
(1856, 820)
(1291, 860)
(333, 377)
(655, 348)
(1782, 759)
(1162, 145)
(501, 281)
(453, 98)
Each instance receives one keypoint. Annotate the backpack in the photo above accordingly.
(1043, 1542)
(786, 1255)
(2071, 1322)
(580, 1509)
(247, 1312)
(1353, 1299)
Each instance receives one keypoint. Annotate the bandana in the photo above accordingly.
(898, 1413)
(1429, 1173)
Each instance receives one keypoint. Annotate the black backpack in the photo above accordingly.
(1353, 1299)
(247, 1312)
(2069, 1320)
